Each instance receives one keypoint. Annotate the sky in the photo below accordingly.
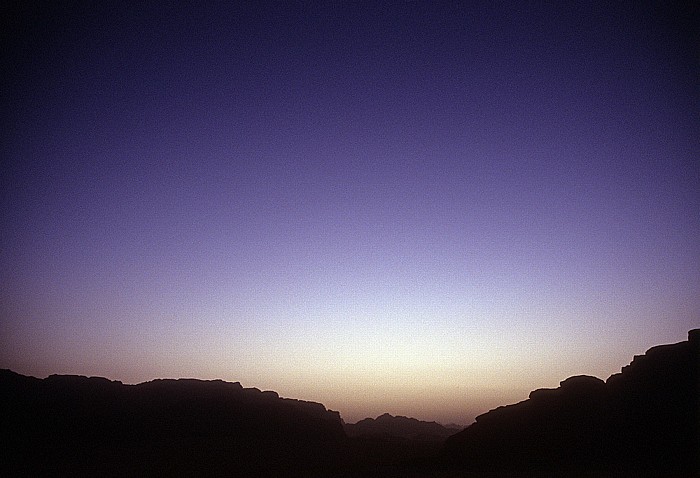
(421, 208)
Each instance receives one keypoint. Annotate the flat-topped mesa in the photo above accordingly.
(94, 426)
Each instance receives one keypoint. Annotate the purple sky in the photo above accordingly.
(405, 207)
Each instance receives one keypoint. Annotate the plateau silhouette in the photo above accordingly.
(72, 425)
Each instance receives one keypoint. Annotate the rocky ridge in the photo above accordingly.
(647, 417)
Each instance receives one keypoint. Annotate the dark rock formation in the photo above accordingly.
(403, 427)
(71, 425)
(393, 443)
(644, 421)
(646, 418)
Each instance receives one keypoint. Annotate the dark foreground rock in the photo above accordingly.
(72, 425)
(645, 419)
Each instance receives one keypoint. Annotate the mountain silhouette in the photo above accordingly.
(73, 425)
(402, 427)
(390, 441)
(644, 419)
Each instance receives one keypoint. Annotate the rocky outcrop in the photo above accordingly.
(646, 418)
(71, 425)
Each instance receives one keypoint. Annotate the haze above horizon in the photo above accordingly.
(420, 208)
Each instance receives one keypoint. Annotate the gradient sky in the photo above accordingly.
(421, 208)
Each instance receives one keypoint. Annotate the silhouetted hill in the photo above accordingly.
(403, 427)
(72, 425)
(646, 418)
(389, 441)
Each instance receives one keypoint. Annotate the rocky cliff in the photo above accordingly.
(72, 425)
(646, 418)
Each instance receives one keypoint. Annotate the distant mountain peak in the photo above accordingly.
(388, 425)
